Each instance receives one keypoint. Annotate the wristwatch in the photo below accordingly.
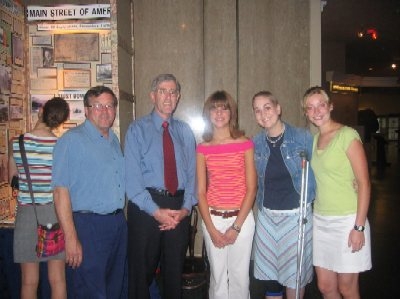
(359, 228)
(235, 227)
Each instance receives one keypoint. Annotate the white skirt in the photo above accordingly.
(330, 245)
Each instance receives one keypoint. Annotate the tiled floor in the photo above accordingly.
(383, 281)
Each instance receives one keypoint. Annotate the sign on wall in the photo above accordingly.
(67, 12)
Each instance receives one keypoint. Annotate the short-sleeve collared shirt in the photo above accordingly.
(92, 168)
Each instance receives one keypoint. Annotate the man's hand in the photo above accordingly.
(166, 218)
(73, 252)
(174, 217)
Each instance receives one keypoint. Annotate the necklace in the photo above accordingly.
(276, 139)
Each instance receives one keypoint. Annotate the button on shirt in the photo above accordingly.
(92, 168)
(145, 165)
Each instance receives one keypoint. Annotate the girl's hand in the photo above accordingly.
(356, 240)
(230, 236)
(218, 238)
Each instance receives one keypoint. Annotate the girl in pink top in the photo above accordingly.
(227, 185)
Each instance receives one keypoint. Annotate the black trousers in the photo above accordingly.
(148, 247)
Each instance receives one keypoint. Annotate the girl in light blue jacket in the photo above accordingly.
(279, 152)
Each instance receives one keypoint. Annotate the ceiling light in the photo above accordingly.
(373, 33)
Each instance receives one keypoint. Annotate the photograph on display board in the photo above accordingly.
(105, 58)
(76, 47)
(17, 50)
(4, 108)
(37, 102)
(3, 139)
(76, 110)
(42, 40)
(47, 72)
(76, 79)
(5, 79)
(16, 109)
(3, 173)
(48, 57)
(18, 26)
(103, 72)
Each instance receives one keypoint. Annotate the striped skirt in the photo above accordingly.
(275, 247)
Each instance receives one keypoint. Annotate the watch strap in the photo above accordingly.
(359, 228)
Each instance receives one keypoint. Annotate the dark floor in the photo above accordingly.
(384, 218)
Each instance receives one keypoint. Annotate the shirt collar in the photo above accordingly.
(157, 120)
(94, 132)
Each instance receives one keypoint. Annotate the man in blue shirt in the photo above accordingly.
(89, 195)
(158, 222)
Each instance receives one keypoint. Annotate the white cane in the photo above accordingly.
(302, 220)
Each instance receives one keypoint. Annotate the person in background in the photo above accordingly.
(227, 186)
(89, 194)
(279, 152)
(158, 207)
(341, 237)
(39, 144)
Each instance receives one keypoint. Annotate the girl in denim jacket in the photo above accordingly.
(279, 150)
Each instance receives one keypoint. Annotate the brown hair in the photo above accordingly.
(55, 112)
(221, 97)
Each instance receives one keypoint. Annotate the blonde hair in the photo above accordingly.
(312, 91)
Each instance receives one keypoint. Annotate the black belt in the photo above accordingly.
(165, 193)
(117, 211)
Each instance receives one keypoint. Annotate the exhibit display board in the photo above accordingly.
(56, 51)
(13, 100)
(69, 51)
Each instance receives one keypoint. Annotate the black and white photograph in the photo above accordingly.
(48, 57)
(103, 72)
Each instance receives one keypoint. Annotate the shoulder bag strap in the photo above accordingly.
(27, 173)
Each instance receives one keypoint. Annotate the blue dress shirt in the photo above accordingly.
(92, 168)
(144, 160)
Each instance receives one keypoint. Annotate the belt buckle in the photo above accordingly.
(225, 214)
(165, 193)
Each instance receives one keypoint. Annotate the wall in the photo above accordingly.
(380, 103)
(239, 46)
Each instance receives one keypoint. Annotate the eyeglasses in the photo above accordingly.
(99, 106)
(171, 92)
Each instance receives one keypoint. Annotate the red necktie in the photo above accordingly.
(170, 176)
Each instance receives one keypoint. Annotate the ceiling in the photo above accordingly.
(342, 19)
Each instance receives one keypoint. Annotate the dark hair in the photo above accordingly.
(96, 92)
(164, 77)
(55, 112)
(221, 97)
